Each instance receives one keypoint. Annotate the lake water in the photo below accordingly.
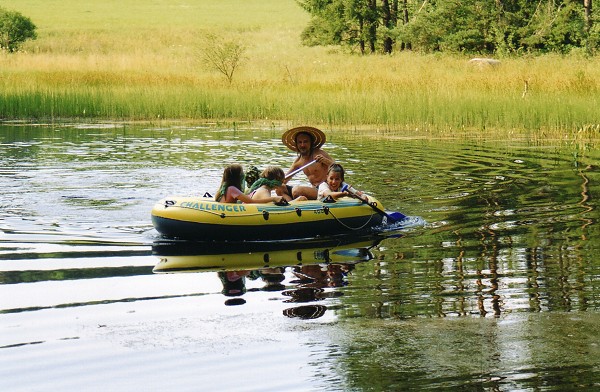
(494, 287)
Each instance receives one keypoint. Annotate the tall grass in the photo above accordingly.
(131, 60)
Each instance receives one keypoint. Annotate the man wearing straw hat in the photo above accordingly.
(311, 160)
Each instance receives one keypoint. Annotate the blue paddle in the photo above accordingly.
(392, 217)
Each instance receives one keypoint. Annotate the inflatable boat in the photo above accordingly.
(203, 219)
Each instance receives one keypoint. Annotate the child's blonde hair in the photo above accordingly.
(272, 177)
(273, 173)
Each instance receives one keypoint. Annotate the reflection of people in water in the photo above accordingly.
(312, 279)
(272, 278)
(234, 285)
(234, 282)
(322, 276)
(306, 312)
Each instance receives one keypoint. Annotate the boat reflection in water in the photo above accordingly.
(302, 271)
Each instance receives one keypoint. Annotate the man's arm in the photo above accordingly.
(323, 158)
(295, 165)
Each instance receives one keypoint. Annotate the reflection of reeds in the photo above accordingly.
(145, 70)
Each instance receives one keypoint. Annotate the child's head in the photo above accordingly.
(335, 176)
(233, 175)
(272, 177)
(273, 173)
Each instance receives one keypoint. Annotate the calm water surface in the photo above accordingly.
(498, 290)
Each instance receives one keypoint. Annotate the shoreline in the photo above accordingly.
(591, 135)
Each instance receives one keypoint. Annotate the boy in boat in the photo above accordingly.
(270, 179)
(307, 142)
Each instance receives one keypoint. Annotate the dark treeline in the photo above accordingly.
(470, 26)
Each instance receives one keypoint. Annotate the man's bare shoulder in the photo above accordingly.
(320, 151)
(297, 163)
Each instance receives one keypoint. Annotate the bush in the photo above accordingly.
(14, 30)
(223, 55)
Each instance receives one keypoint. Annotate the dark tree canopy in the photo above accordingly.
(14, 30)
(469, 26)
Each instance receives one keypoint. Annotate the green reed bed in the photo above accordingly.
(332, 105)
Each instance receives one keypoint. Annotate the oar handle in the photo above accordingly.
(393, 217)
(350, 189)
(291, 174)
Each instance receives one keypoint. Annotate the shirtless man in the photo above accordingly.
(307, 142)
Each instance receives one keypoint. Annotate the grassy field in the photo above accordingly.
(132, 60)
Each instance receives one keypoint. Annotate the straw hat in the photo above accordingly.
(289, 137)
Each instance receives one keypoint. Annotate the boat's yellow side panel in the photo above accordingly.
(205, 210)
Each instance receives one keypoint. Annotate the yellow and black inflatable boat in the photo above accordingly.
(203, 219)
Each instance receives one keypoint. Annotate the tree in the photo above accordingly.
(389, 10)
(223, 55)
(14, 30)
(587, 6)
(467, 26)
(347, 23)
(452, 26)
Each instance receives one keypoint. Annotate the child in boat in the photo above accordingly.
(270, 179)
(231, 187)
(334, 183)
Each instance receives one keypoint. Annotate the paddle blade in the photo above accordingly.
(391, 218)
(396, 216)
